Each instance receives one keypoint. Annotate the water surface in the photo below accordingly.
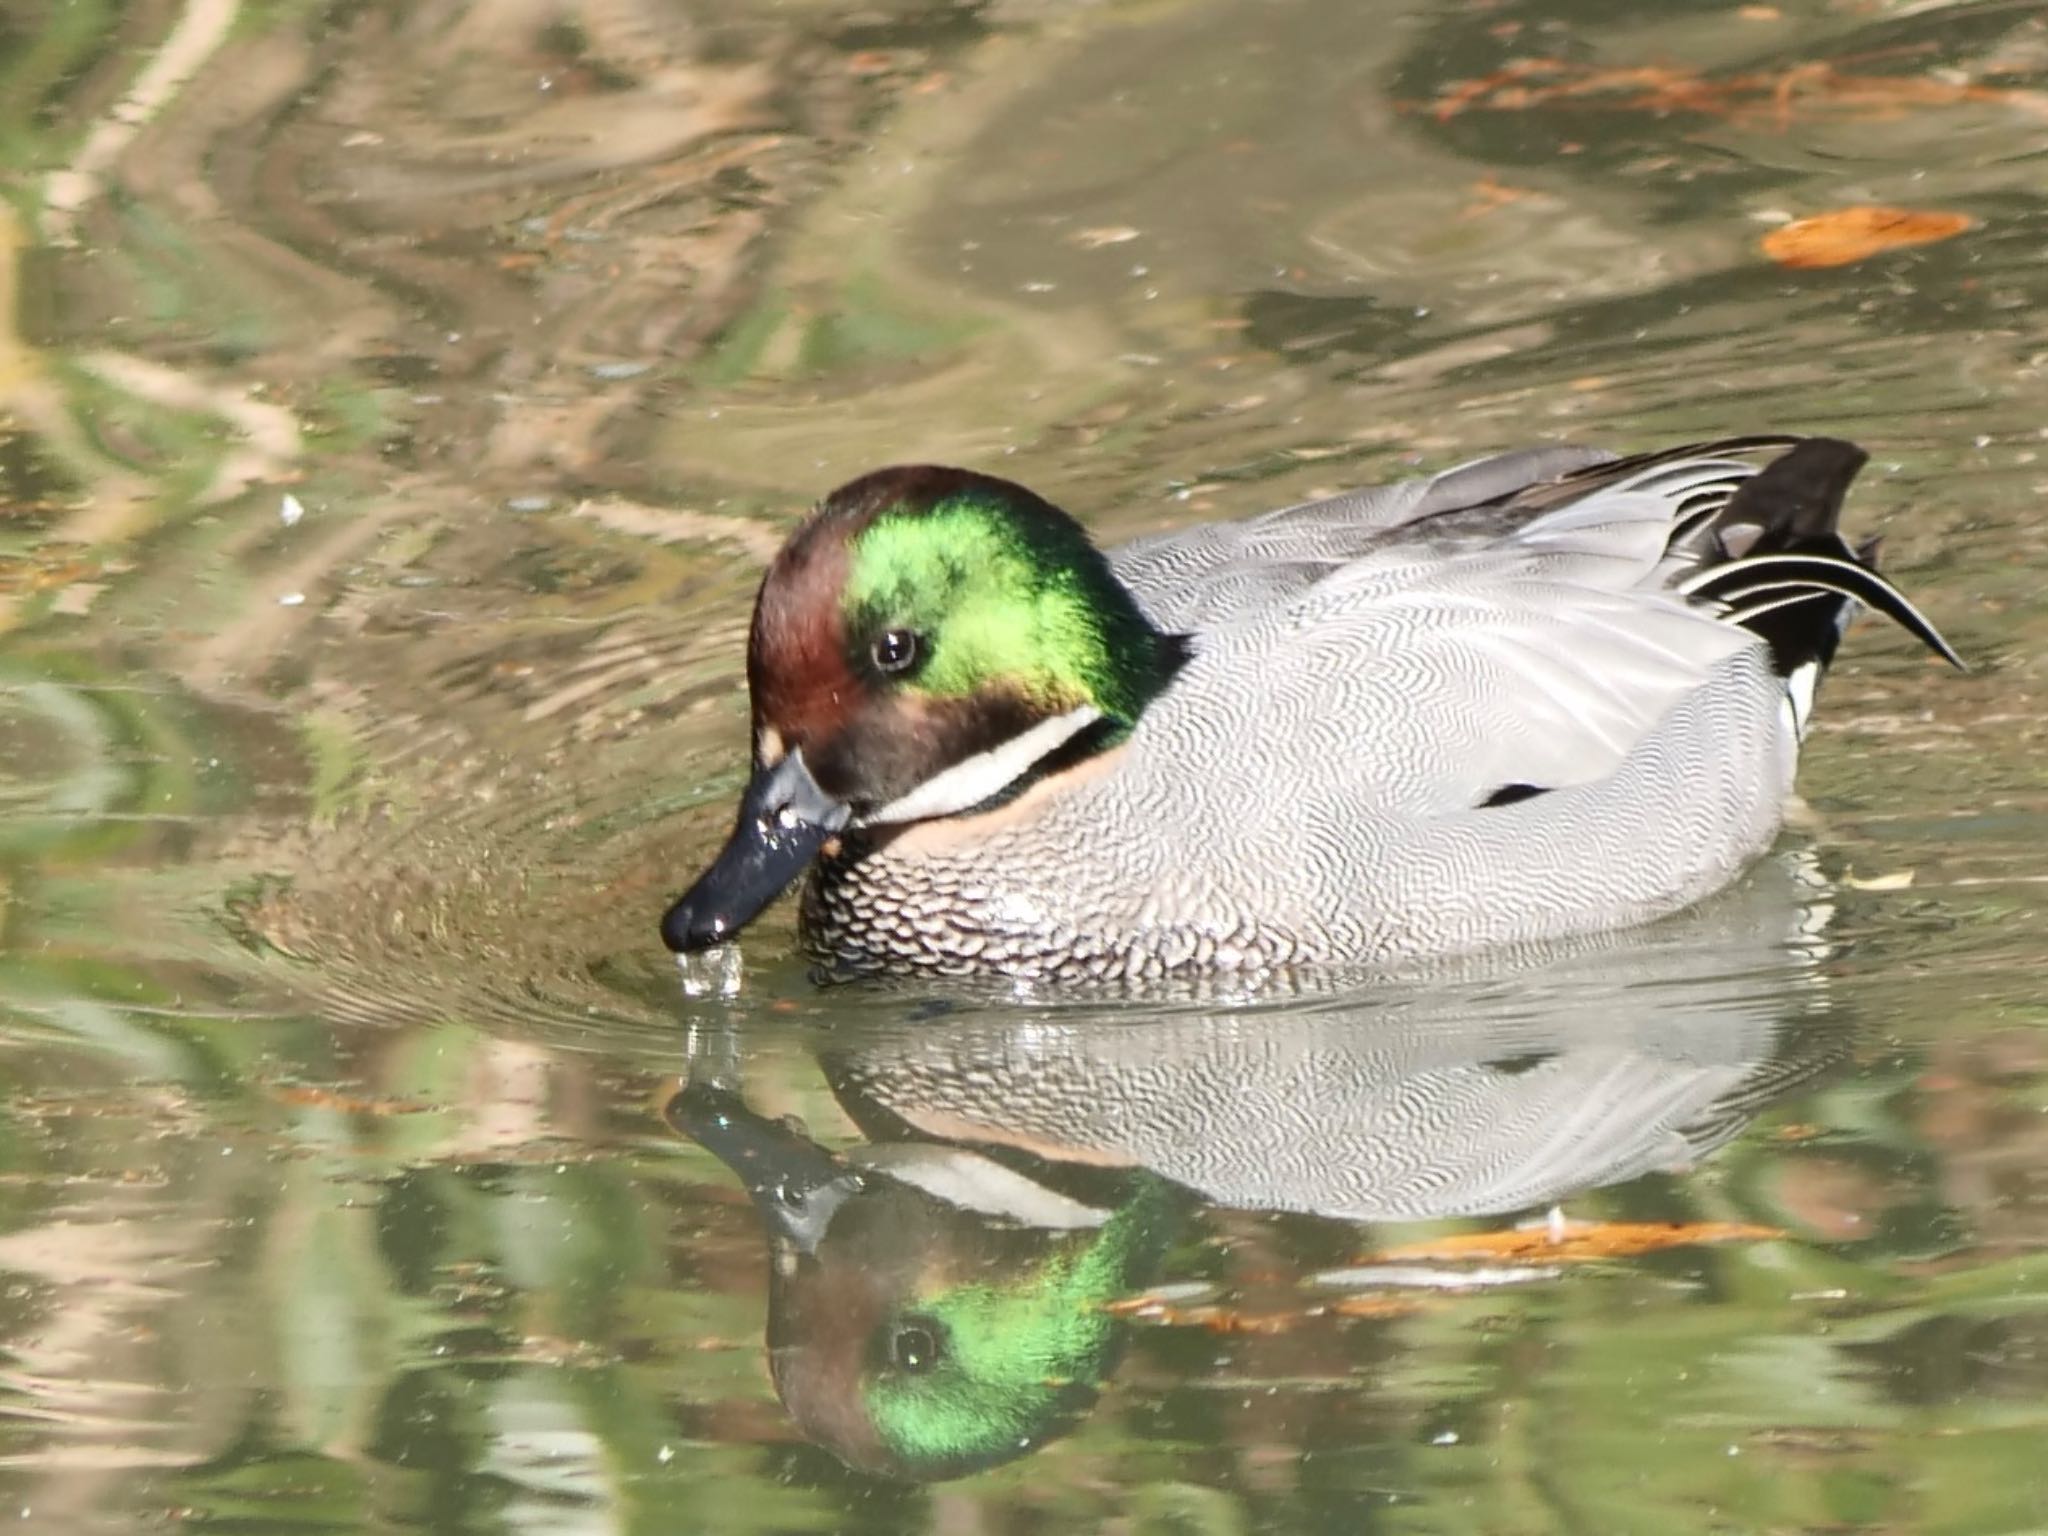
(397, 404)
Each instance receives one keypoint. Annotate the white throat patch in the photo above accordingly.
(969, 782)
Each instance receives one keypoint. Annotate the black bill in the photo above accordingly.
(785, 819)
(796, 1184)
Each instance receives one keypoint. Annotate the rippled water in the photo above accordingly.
(397, 403)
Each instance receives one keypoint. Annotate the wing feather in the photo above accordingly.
(1491, 628)
(1542, 655)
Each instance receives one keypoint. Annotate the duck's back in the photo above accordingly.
(1189, 579)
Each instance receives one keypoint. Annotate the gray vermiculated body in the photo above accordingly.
(1308, 790)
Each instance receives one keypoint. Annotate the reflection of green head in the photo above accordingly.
(986, 1369)
(967, 1341)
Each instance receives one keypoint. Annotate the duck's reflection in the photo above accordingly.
(932, 1312)
(939, 1295)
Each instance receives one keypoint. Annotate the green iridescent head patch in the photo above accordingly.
(1005, 597)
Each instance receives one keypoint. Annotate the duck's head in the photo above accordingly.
(922, 1335)
(927, 639)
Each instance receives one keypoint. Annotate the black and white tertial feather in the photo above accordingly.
(1761, 547)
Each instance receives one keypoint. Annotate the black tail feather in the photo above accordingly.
(1785, 571)
(1797, 497)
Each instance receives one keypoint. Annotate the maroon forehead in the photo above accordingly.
(796, 655)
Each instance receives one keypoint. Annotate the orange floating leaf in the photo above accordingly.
(1577, 1241)
(1850, 234)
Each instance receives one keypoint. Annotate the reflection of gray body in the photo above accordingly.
(937, 1300)
(1448, 1097)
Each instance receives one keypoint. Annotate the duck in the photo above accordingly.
(1545, 693)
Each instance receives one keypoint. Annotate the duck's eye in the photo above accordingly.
(914, 1348)
(895, 650)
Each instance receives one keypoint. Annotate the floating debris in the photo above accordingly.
(1375, 1306)
(290, 510)
(1096, 239)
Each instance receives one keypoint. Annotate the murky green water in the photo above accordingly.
(397, 402)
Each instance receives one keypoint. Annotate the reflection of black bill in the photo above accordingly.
(784, 820)
(795, 1183)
